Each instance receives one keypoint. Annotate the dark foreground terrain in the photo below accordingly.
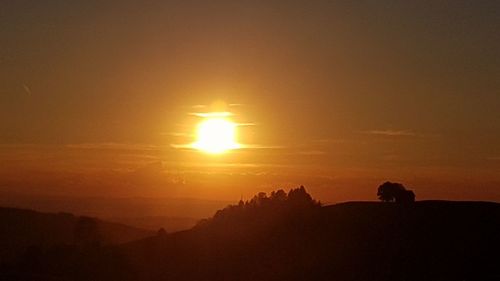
(286, 237)
(22, 230)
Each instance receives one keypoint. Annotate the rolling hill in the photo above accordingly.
(428, 240)
(283, 239)
(20, 229)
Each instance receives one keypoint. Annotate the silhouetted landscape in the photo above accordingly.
(173, 140)
(280, 236)
(173, 214)
(22, 229)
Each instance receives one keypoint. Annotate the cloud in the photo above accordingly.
(212, 114)
(232, 165)
(150, 168)
(260, 146)
(311, 152)
(177, 134)
(20, 145)
(27, 89)
(189, 146)
(330, 140)
(198, 106)
(391, 133)
(114, 146)
(205, 106)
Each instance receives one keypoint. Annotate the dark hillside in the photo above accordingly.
(429, 240)
(20, 229)
(291, 237)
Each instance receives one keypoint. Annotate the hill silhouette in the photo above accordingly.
(430, 240)
(21, 229)
(289, 236)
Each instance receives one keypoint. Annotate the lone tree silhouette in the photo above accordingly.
(395, 192)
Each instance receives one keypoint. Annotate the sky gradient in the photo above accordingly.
(339, 96)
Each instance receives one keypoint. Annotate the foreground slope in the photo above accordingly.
(291, 237)
(428, 240)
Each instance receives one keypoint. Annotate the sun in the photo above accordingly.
(216, 135)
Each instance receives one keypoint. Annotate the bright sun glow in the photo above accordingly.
(216, 135)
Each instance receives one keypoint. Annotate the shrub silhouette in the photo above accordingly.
(161, 232)
(395, 192)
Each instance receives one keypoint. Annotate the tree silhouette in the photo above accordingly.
(395, 192)
(407, 197)
(262, 205)
(278, 195)
(87, 232)
(300, 197)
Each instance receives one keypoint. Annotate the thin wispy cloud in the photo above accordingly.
(189, 146)
(328, 141)
(229, 165)
(212, 114)
(198, 106)
(261, 146)
(27, 89)
(114, 146)
(311, 152)
(177, 134)
(246, 124)
(205, 105)
(20, 145)
(391, 133)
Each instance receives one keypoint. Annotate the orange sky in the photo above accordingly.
(337, 96)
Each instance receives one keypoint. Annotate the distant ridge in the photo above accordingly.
(22, 228)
